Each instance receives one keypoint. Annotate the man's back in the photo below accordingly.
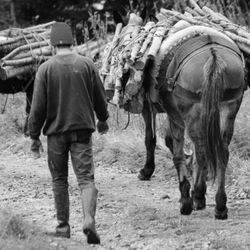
(74, 91)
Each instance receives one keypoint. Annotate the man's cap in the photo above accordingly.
(61, 34)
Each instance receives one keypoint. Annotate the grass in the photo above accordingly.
(16, 234)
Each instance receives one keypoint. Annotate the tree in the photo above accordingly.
(7, 11)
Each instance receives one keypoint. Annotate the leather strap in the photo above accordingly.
(229, 94)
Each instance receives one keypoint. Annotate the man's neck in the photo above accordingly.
(63, 50)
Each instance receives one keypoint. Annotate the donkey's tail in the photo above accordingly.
(211, 95)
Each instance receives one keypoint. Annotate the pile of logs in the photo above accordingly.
(23, 50)
(133, 44)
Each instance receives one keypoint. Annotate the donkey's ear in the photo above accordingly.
(144, 13)
(117, 17)
(153, 18)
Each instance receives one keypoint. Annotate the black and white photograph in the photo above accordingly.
(124, 124)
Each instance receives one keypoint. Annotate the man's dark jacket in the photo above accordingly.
(67, 93)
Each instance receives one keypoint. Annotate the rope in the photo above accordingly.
(117, 113)
(5, 103)
(127, 121)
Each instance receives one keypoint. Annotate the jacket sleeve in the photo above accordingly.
(99, 98)
(38, 107)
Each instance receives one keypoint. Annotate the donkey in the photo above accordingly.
(200, 87)
(204, 101)
(15, 85)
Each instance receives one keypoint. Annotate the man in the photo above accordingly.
(67, 93)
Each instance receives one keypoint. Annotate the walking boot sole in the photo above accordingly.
(92, 237)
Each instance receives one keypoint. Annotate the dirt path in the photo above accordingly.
(131, 214)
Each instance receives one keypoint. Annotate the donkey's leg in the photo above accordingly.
(221, 197)
(199, 169)
(177, 128)
(168, 137)
(228, 115)
(29, 93)
(199, 178)
(179, 160)
(150, 143)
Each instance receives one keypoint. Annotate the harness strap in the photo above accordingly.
(172, 80)
(190, 49)
(229, 94)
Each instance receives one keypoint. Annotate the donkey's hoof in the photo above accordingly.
(186, 206)
(143, 176)
(221, 215)
(199, 204)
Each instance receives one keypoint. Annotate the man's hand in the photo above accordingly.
(36, 148)
(102, 127)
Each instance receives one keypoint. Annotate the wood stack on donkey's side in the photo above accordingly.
(133, 44)
(23, 50)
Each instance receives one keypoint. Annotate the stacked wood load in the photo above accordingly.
(23, 50)
(133, 44)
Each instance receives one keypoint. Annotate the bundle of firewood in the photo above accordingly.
(133, 44)
(23, 50)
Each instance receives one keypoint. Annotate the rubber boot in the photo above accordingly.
(89, 198)
(62, 214)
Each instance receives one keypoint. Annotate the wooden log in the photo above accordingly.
(7, 46)
(109, 83)
(39, 26)
(190, 19)
(134, 83)
(156, 43)
(13, 71)
(196, 7)
(235, 29)
(31, 36)
(117, 98)
(139, 64)
(192, 12)
(26, 47)
(120, 70)
(244, 48)
(138, 44)
(109, 86)
(15, 32)
(24, 61)
(89, 46)
(138, 77)
(11, 32)
(9, 72)
(132, 28)
(216, 17)
(182, 24)
(96, 51)
(131, 86)
(237, 38)
(181, 16)
(134, 104)
(160, 17)
(147, 42)
(111, 47)
(130, 38)
(43, 51)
